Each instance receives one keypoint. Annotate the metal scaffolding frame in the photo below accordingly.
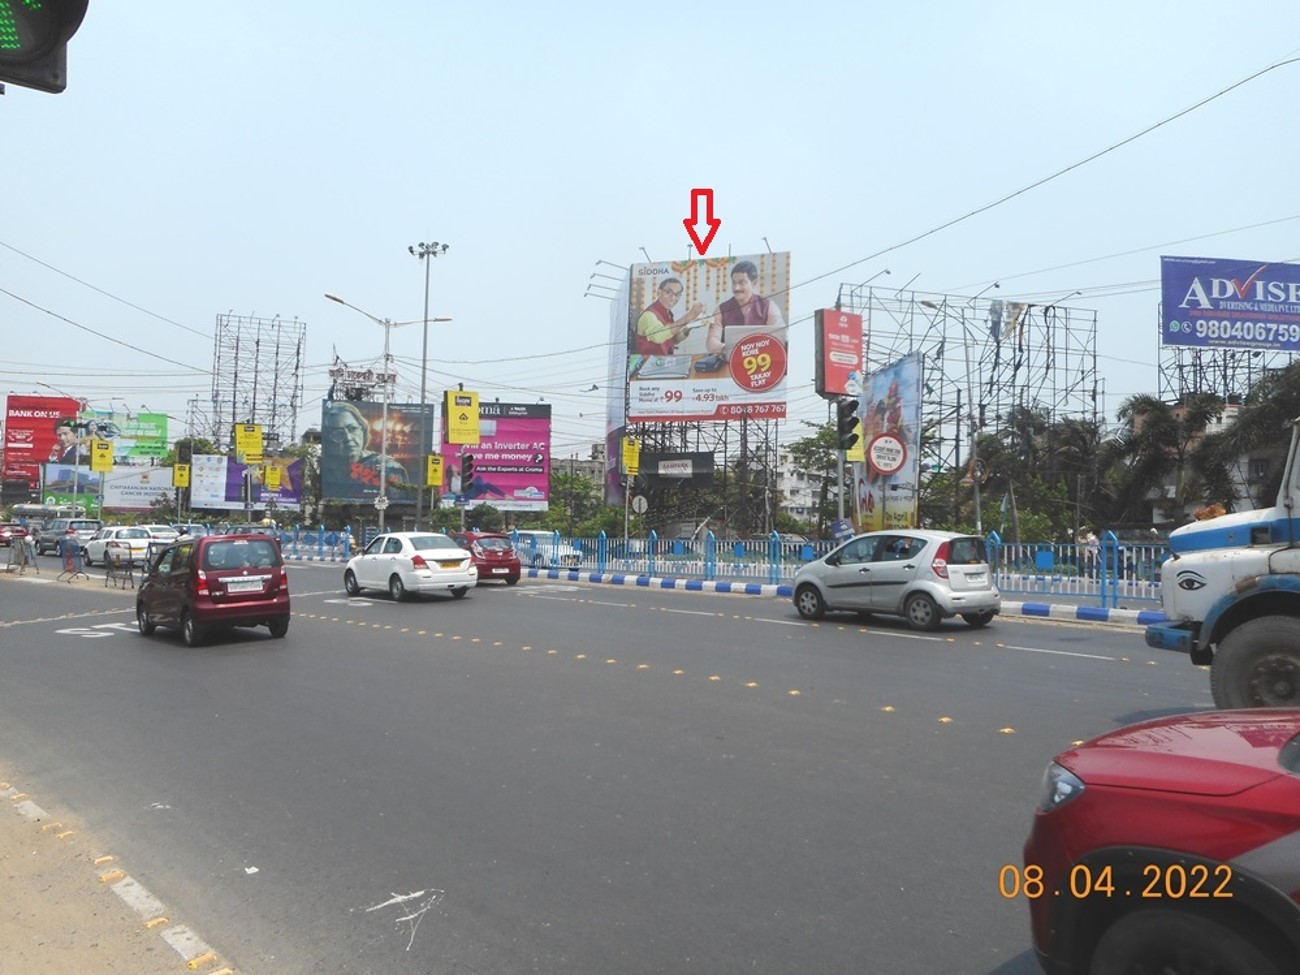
(257, 366)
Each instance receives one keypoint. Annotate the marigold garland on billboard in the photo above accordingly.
(707, 339)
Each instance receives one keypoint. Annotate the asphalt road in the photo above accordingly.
(564, 778)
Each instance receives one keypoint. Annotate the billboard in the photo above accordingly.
(69, 484)
(838, 345)
(707, 339)
(512, 460)
(30, 439)
(137, 438)
(887, 484)
(352, 440)
(1211, 303)
(217, 481)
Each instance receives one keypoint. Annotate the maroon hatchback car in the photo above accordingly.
(196, 584)
(494, 555)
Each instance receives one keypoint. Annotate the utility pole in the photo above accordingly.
(426, 253)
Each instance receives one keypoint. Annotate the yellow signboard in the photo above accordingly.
(460, 411)
(433, 471)
(248, 443)
(631, 456)
(271, 479)
(180, 475)
(101, 456)
(858, 452)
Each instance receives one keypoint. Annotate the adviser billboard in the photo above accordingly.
(1209, 302)
(707, 339)
(511, 461)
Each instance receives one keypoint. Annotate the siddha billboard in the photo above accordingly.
(707, 339)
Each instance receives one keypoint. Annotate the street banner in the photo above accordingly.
(101, 456)
(248, 443)
(512, 460)
(30, 439)
(837, 337)
(137, 438)
(217, 482)
(433, 471)
(707, 339)
(180, 475)
(460, 413)
(75, 485)
(353, 449)
(1212, 303)
(887, 493)
(631, 456)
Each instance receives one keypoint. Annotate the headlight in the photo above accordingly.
(1060, 785)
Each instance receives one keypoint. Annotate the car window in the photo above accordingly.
(392, 546)
(858, 550)
(894, 548)
(86, 525)
(184, 557)
(165, 561)
(424, 543)
(376, 545)
(241, 553)
(133, 533)
(494, 544)
(967, 551)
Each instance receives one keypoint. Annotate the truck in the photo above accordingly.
(1231, 597)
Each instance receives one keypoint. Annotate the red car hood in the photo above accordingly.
(1217, 753)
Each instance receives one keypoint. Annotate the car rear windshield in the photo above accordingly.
(967, 551)
(241, 553)
(423, 543)
(133, 533)
(494, 544)
(83, 526)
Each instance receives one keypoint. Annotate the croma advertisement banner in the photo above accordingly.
(887, 493)
(352, 445)
(512, 460)
(1208, 302)
(30, 439)
(707, 339)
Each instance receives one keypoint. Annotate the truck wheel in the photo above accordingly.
(1179, 943)
(1257, 665)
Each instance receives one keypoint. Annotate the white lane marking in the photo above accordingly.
(557, 599)
(696, 612)
(82, 631)
(597, 602)
(128, 627)
(138, 898)
(763, 619)
(1059, 653)
(185, 942)
(424, 902)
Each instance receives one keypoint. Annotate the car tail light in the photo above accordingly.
(476, 548)
(202, 584)
(284, 579)
(417, 561)
(940, 564)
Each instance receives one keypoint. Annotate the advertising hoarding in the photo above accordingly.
(887, 490)
(137, 438)
(29, 435)
(707, 339)
(838, 339)
(217, 482)
(512, 460)
(68, 484)
(1212, 303)
(352, 438)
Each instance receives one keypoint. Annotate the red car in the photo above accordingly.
(1170, 847)
(9, 531)
(494, 554)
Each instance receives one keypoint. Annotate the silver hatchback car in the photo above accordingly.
(923, 576)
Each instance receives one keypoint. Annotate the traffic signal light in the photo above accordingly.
(847, 426)
(34, 41)
(466, 470)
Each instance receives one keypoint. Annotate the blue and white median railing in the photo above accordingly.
(316, 544)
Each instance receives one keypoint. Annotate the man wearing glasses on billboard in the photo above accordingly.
(657, 333)
(745, 313)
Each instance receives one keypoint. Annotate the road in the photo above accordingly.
(564, 778)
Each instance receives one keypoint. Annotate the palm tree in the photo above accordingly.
(1156, 443)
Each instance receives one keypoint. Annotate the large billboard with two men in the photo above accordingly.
(707, 339)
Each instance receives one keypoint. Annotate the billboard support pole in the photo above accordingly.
(839, 484)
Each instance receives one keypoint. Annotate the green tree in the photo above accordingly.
(815, 456)
(1155, 446)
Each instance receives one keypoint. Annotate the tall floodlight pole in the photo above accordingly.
(425, 252)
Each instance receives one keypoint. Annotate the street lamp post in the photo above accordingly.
(425, 252)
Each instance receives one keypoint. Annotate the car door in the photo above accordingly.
(367, 568)
(898, 559)
(847, 576)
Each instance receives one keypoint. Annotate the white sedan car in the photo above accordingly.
(119, 544)
(411, 562)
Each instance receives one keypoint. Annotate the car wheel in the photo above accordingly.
(1257, 665)
(85, 557)
(978, 621)
(191, 632)
(460, 593)
(350, 583)
(512, 581)
(1179, 943)
(396, 588)
(279, 627)
(808, 601)
(142, 621)
(921, 612)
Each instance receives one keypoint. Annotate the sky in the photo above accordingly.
(211, 159)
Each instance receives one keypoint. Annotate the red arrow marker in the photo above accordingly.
(693, 221)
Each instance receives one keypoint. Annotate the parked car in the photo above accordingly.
(923, 576)
(11, 530)
(119, 543)
(494, 555)
(197, 584)
(539, 548)
(54, 531)
(411, 562)
(194, 531)
(1169, 847)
